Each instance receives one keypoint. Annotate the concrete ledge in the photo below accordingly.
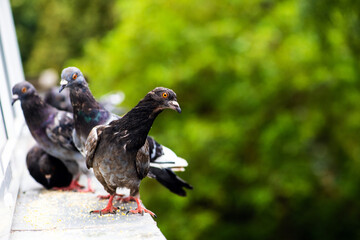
(48, 214)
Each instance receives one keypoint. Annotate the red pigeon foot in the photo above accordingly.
(108, 209)
(140, 208)
(74, 186)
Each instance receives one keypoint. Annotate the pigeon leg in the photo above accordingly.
(140, 208)
(89, 188)
(74, 186)
(108, 209)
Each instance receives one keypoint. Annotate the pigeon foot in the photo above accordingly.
(108, 209)
(140, 208)
(74, 186)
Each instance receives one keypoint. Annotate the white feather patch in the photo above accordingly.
(123, 191)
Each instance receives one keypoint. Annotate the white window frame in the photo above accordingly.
(12, 154)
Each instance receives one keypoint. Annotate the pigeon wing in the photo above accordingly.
(59, 130)
(143, 161)
(155, 149)
(92, 143)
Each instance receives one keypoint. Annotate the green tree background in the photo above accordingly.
(270, 98)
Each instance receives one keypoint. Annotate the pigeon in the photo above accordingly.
(89, 113)
(118, 152)
(52, 130)
(110, 101)
(59, 100)
(46, 169)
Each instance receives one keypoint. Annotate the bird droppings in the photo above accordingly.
(60, 215)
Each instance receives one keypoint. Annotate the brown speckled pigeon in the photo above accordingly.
(119, 151)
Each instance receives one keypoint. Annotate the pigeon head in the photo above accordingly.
(22, 91)
(165, 98)
(71, 77)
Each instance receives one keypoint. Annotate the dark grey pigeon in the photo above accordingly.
(88, 113)
(119, 151)
(46, 169)
(52, 129)
(59, 100)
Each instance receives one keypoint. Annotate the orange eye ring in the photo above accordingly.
(23, 90)
(164, 95)
(74, 76)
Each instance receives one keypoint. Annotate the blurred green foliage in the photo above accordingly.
(52, 31)
(270, 98)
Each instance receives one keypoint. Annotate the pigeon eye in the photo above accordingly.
(23, 90)
(74, 76)
(165, 95)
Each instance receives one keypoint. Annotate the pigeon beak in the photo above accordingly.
(48, 176)
(175, 106)
(63, 84)
(14, 99)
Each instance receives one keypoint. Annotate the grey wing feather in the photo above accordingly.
(143, 161)
(60, 129)
(92, 143)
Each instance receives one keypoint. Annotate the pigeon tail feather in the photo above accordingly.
(169, 179)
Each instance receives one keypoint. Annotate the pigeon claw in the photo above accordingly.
(107, 210)
(140, 208)
(109, 207)
(141, 211)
